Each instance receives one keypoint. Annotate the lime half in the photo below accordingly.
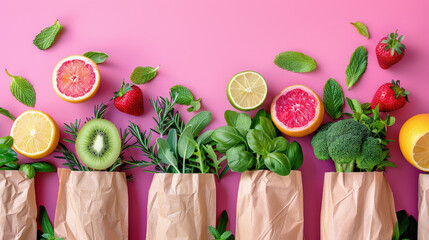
(247, 90)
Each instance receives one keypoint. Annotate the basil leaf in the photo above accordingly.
(223, 221)
(222, 148)
(6, 113)
(29, 170)
(47, 36)
(295, 155)
(239, 160)
(241, 121)
(184, 95)
(97, 57)
(278, 163)
(12, 165)
(280, 144)
(259, 142)
(44, 221)
(256, 119)
(295, 62)
(205, 137)
(7, 155)
(362, 30)
(165, 154)
(268, 127)
(22, 90)
(7, 140)
(185, 146)
(231, 117)
(142, 75)
(333, 98)
(199, 122)
(228, 136)
(42, 166)
(357, 66)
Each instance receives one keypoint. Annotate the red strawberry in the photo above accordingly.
(129, 99)
(390, 50)
(390, 97)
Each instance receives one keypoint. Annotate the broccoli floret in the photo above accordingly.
(345, 149)
(347, 126)
(320, 144)
(372, 154)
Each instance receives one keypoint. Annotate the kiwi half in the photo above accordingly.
(98, 144)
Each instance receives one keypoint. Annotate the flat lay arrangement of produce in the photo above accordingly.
(214, 121)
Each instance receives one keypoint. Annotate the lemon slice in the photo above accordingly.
(421, 152)
(247, 90)
(35, 134)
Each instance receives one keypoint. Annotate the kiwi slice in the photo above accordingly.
(98, 144)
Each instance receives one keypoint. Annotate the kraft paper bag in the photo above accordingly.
(18, 209)
(423, 224)
(270, 206)
(92, 205)
(357, 206)
(181, 206)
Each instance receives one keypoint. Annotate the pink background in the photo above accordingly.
(201, 45)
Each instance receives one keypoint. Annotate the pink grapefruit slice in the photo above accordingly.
(297, 111)
(76, 79)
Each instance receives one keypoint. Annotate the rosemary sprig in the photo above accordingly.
(99, 111)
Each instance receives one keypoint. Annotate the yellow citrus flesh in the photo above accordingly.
(247, 90)
(35, 134)
(70, 79)
(414, 141)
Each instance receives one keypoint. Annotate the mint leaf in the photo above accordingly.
(22, 90)
(97, 57)
(185, 97)
(6, 113)
(28, 169)
(142, 75)
(362, 30)
(357, 66)
(333, 98)
(295, 62)
(46, 37)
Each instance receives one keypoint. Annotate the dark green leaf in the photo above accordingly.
(6, 154)
(268, 127)
(7, 140)
(44, 222)
(333, 99)
(256, 119)
(280, 144)
(403, 221)
(97, 57)
(223, 221)
(43, 166)
(142, 75)
(295, 62)
(239, 160)
(228, 136)
(259, 142)
(22, 90)
(362, 29)
(357, 66)
(295, 155)
(29, 170)
(6, 113)
(47, 36)
(184, 96)
(278, 163)
(199, 122)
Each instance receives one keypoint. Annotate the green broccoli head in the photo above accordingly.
(345, 149)
(320, 144)
(347, 126)
(372, 154)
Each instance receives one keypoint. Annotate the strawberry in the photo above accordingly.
(385, 57)
(390, 97)
(129, 99)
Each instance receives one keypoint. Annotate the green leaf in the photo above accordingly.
(195, 106)
(48, 236)
(7, 140)
(333, 98)
(142, 75)
(28, 169)
(205, 137)
(278, 163)
(259, 142)
(226, 235)
(47, 36)
(184, 95)
(357, 66)
(7, 155)
(172, 140)
(396, 232)
(223, 221)
(281, 144)
(268, 127)
(295, 155)
(97, 57)
(45, 223)
(185, 145)
(213, 231)
(165, 153)
(403, 221)
(22, 90)
(239, 160)
(199, 122)
(228, 136)
(295, 62)
(240, 121)
(362, 29)
(42, 166)
(6, 113)
(256, 119)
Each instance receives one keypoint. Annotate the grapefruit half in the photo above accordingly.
(76, 79)
(297, 111)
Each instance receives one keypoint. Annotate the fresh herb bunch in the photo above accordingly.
(220, 232)
(47, 232)
(405, 228)
(355, 144)
(9, 160)
(72, 129)
(180, 148)
(253, 144)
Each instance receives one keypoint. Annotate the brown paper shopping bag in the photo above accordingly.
(92, 205)
(18, 209)
(181, 206)
(270, 206)
(423, 227)
(357, 206)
